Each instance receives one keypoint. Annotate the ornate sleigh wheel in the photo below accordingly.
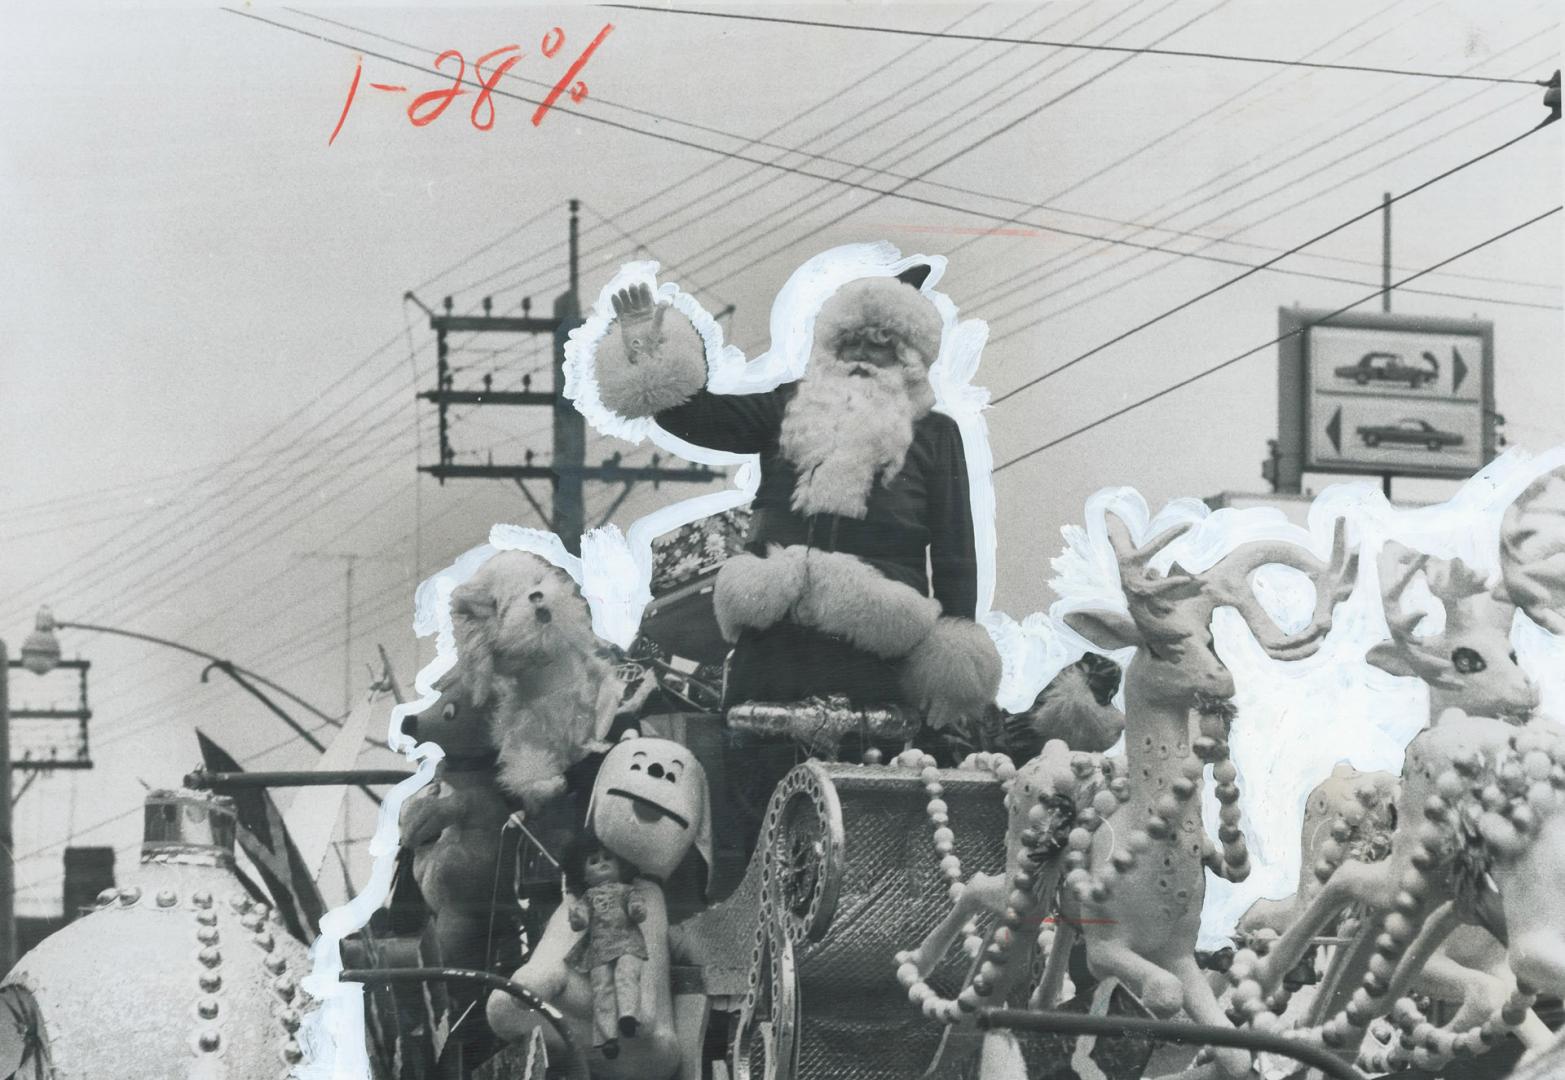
(766, 1042)
(807, 854)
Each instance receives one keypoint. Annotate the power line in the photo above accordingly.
(189, 581)
(1045, 268)
(1268, 263)
(502, 238)
(230, 496)
(114, 543)
(1268, 344)
(1176, 130)
(1189, 54)
(675, 140)
(830, 98)
(1037, 110)
(953, 80)
(295, 644)
(1273, 216)
(731, 188)
(850, 184)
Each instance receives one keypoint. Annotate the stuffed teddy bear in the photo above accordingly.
(527, 656)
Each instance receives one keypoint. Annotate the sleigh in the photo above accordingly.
(788, 972)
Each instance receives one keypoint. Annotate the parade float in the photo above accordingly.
(777, 796)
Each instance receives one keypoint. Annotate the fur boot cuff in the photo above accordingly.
(829, 591)
(663, 367)
(954, 674)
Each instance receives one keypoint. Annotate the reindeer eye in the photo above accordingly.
(1467, 662)
(1513, 657)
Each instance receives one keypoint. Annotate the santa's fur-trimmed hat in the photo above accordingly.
(895, 305)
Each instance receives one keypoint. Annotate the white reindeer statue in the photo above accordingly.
(1135, 888)
(1480, 847)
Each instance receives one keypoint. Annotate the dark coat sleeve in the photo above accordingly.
(738, 423)
(953, 556)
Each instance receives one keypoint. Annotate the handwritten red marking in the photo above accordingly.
(492, 81)
(427, 107)
(578, 90)
(442, 98)
(353, 88)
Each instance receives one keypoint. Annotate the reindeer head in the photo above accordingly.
(1470, 664)
(1169, 618)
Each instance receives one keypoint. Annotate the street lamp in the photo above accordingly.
(40, 654)
(41, 650)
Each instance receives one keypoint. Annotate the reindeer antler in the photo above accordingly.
(1149, 596)
(1406, 653)
(1532, 551)
(1228, 583)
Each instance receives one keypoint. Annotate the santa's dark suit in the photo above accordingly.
(925, 507)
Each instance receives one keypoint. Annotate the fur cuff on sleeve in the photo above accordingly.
(754, 593)
(954, 674)
(664, 373)
(830, 591)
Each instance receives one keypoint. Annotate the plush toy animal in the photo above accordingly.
(452, 828)
(528, 658)
(1076, 707)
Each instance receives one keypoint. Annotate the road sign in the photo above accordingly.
(1374, 392)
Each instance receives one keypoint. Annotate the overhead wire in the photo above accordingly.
(113, 541)
(1048, 267)
(1191, 54)
(968, 64)
(1205, 372)
(899, 189)
(1114, 286)
(656, 135)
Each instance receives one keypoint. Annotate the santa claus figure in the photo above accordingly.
(860, 577)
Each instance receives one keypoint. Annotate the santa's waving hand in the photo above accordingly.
(860, 576)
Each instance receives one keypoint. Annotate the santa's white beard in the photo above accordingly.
(844, 431)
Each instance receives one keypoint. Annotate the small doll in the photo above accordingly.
(613, 951)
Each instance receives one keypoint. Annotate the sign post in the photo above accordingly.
(1383, 394)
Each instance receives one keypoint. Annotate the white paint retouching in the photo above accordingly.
(1295, 720)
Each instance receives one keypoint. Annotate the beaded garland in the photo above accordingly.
(1496, 806)
(1092, 791)
(1054, 823)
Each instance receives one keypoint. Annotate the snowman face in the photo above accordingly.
(649, 804)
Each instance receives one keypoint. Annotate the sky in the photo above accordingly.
(208, 373)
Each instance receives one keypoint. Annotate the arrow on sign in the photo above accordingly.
(1334, 430)
(1458, 369)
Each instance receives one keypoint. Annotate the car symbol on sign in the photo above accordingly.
(1388, 367)
(1415, 432)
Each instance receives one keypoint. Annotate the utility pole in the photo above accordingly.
(567, 471)
(7, 863)
(1385, 253)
